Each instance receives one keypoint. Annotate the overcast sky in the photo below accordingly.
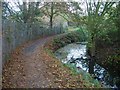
(62, 0)
(83, 5)
(13, 5)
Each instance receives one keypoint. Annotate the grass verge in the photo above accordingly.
(80, 79)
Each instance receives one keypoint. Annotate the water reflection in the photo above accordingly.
(76, 53)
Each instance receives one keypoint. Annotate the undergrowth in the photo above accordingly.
(62, 40)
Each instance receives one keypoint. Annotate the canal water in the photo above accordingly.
(76, 53)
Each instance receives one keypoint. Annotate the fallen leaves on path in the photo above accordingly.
(38, 70)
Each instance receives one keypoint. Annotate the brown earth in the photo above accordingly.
(31, 67)
(26, 68)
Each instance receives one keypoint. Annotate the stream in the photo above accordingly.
(75, 53)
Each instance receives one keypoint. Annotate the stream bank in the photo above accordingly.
(75, 55)
(101, 72)
(63, 40)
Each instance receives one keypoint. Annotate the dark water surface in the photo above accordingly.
(76, 53)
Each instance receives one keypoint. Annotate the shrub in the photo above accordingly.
(64, 39)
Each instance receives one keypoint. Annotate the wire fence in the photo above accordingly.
(16, 33)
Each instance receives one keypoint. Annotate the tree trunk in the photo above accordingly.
(91, 66)
(25, 12)
(92, 56)
(51, 22)
(51, 16)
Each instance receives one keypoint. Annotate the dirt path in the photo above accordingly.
(31, 67)
(27, 69)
